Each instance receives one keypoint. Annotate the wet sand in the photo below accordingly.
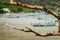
(7, 33)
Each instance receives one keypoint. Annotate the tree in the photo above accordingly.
(44, 9)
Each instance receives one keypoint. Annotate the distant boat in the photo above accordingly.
(42, 24)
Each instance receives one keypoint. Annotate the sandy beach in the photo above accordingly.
(7, 33)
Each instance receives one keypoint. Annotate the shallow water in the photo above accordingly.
(29, 18)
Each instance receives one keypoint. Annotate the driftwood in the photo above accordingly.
(30, 30)
(11, 26)
(44, 35)
(17, 28)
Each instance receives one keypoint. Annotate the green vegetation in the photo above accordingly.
(51, 4)
(15, 8)
(59, 12)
